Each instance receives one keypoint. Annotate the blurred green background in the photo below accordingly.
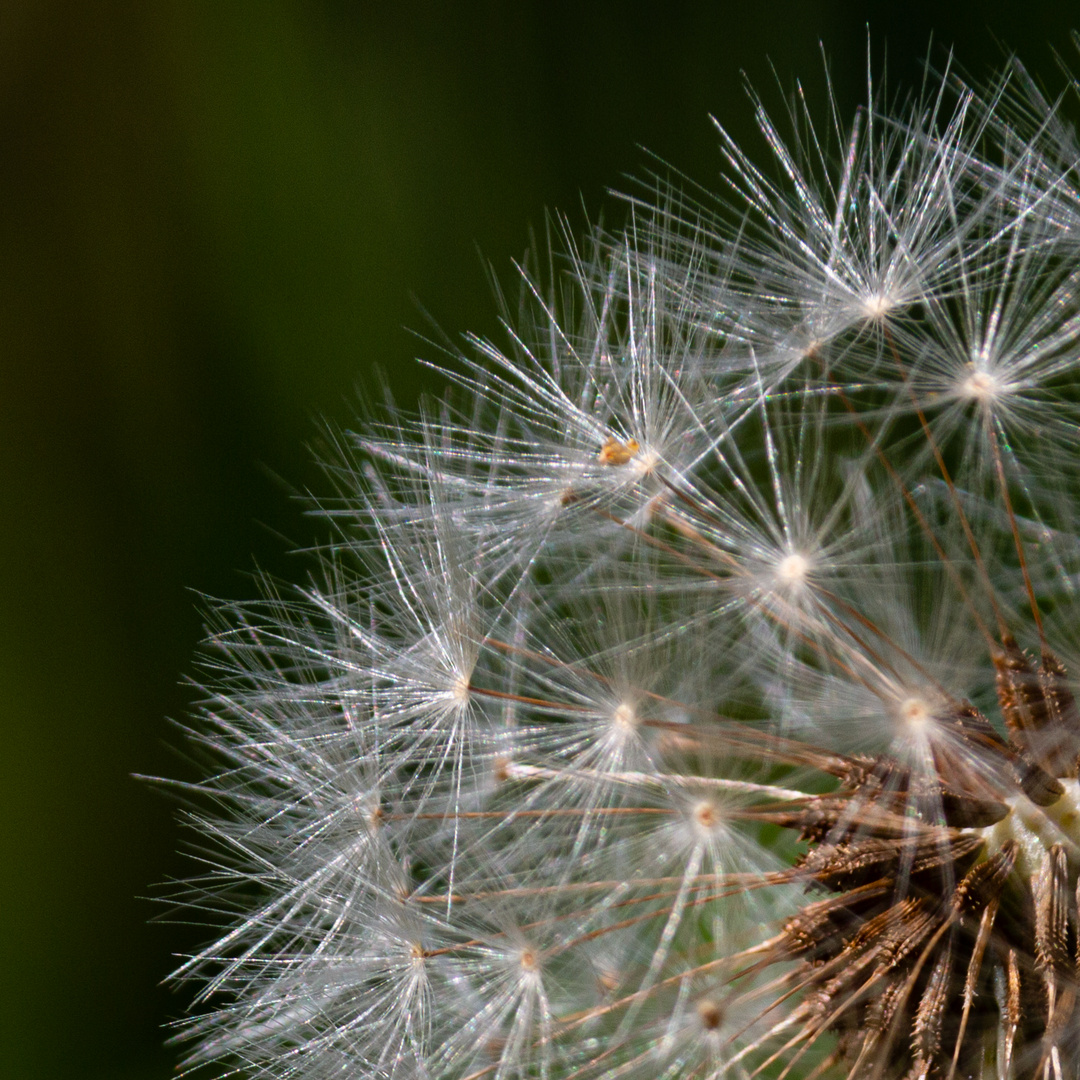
(213, 217)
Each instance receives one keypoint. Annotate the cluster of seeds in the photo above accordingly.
(691, 693)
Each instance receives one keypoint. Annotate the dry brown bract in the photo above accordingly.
(947, 937)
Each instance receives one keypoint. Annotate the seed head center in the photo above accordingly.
(459, 691)
(710, 1014)
(1036, 829)
(980, 386)
(915, 712)
(645, 461)
(877, 306)
(793, 569)
(706, 816)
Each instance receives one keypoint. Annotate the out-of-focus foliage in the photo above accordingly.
(212, 217)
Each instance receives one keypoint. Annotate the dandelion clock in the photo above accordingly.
(692, 691)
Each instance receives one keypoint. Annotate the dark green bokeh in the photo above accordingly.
(213, 217)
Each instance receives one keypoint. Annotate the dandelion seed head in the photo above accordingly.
(681, 696)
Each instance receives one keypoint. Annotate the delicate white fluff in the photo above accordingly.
(746, 489)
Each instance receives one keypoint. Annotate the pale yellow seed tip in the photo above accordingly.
(915, 712)
(980, 386)
(876, 307)
(793, 569)
(706, 816)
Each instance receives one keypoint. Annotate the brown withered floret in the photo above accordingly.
(935, 941)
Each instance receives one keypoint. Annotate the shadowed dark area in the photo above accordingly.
(214, 220)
